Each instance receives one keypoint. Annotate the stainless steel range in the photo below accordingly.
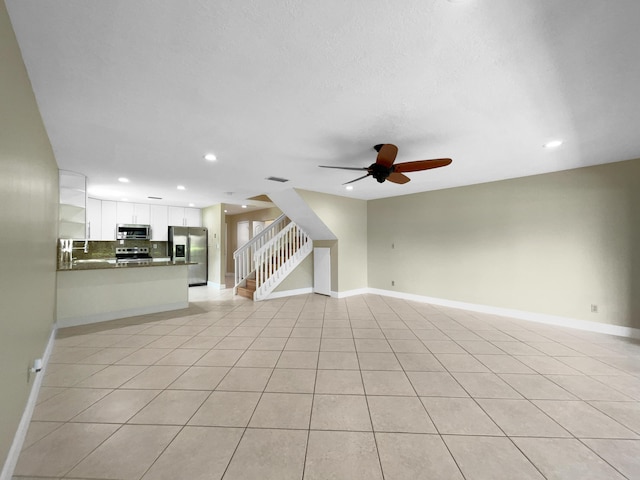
(133, 255)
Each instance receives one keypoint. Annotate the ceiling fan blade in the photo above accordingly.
(359, 178)
(345, 168)
(421, 165)
(387, 155)
(396, 177)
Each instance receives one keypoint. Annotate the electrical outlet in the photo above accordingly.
(393, 283)
(594, 308)
(393, 245)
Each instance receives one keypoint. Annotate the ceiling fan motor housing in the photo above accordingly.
(380, 172)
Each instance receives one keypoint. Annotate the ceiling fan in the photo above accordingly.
(384, 168)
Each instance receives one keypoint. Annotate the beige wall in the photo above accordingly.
(213, 220)
(262, 215)
(28, 215)
(347, 219)
(301, 277)
(551, 244)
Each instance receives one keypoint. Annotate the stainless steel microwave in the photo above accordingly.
(125, 231)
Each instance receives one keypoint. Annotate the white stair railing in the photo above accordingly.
(243, 257)
(277, 258)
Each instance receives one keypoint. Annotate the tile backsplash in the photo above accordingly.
(107, 249)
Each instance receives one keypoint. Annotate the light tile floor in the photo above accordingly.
(311, 387)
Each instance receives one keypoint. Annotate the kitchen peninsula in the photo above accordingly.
(96, 291)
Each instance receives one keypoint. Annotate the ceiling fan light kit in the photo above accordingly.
(384, 169)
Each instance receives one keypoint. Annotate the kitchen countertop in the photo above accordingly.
(110, 264)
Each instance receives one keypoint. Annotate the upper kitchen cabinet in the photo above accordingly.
(103, 215)
(185, 217)
(108, 220)
(159, 223)
(101, 219)
(136, 213)
(193, 217)
(94, 219)
(73, 204)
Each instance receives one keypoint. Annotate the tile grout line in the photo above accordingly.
(455, 461)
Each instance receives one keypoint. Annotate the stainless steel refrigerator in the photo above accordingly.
(189, 245)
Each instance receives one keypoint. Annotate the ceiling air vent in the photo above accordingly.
(278, 179)
(155, 198)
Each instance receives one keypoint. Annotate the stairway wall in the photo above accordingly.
(347, 219)
(301, 277)
(262, 215)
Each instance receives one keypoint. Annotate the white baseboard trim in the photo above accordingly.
(520, 314)
(219, 286)
(289, 293)
(349, 293)
(130, 312)
(23, 426)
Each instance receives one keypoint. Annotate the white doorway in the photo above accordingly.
(257, 227)
(322, 271)
(242, 234)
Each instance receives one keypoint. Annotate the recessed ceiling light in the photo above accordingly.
(244, 206)
(210, 156)
(192, 205)
(123, 180)
(349, 187)
(125, 199)
(553, 144)
(225, 211)
(181, 187)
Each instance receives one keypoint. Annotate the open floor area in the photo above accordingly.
(315, 388)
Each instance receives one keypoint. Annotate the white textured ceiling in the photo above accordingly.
(143, 89)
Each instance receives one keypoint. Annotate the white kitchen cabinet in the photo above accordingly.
(103, 215)
(176, 216)
(185, 217)
(94, 219)
(142, 212)
(193, 217)
(159, 223)
(109, 220)
(136, 213)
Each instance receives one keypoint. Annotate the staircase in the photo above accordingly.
(248, 290)
(266, 260)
